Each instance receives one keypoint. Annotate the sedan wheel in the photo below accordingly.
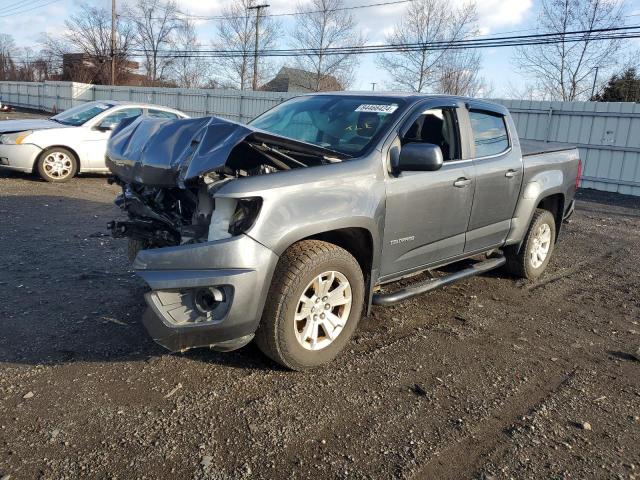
(57, 165)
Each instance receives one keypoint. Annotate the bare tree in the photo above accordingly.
(7, 54)
(88, 33)
(188, 69)
(236, 33)
(565, 70)
(425, 22)
(459, 74)
(320, 26)
(156, 24)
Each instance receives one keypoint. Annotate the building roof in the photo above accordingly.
(297, 80)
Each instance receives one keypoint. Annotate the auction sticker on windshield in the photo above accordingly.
(377, 108)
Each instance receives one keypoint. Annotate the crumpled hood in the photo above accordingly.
(166, 153)
(10, 126)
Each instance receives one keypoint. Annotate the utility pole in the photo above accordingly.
(113, 42)
(373, 86)
(257, 8)
(595, 79)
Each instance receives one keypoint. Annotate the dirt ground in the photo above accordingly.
(492, 378)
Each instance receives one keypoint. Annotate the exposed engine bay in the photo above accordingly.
(170, 171)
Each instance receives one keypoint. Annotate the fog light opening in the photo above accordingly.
(207, 299)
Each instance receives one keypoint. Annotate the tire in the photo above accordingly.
(134, 245)
(526, 263)
(57, 165)
(300, 270)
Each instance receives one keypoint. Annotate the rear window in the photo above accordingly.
(489, 133)
(162, 114)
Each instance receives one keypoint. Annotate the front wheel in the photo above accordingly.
(534, 254)
(57, 164)
(313, 306)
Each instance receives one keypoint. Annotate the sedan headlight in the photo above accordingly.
(14, 138)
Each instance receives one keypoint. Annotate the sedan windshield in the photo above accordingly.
(344, 124)
(77, 116)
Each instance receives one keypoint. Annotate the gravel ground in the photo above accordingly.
(490, 378)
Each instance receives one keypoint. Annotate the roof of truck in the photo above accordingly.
(415, 97)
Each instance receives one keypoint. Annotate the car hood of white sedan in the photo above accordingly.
(10, 126)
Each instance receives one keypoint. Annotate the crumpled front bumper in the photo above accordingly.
(240, 267)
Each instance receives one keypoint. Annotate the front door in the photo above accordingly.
(96, 138)
(427, 213)
(499, 172)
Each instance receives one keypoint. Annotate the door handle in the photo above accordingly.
(511, 173)
(461, 182)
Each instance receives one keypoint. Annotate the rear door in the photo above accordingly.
(498, 170)
(427, 213)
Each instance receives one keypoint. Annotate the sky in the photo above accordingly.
(495, 17)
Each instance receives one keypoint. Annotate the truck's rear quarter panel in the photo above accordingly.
(550, 169)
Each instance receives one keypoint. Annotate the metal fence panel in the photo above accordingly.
(607, 134)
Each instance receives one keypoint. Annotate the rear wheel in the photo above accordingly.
(313, 305)
(57, 164)
(534, 255)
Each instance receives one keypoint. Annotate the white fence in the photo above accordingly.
(240, 106)
(607, 134)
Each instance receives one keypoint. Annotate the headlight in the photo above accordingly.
(14, 138)
(233, 217)
(245, 215)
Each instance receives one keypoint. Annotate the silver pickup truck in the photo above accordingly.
(289, 228)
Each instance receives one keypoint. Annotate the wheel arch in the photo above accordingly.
(555, 204)
(359, 242)
(51, 147)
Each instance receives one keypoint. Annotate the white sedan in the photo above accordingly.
(73, 141)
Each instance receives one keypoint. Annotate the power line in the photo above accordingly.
(16, 12)
(286, 14)
(495, 42)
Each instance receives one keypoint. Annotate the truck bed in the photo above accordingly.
(536, 147)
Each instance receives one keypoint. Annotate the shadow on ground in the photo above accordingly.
(69, 294)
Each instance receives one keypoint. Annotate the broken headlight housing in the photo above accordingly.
(245, 214)
(233, 217)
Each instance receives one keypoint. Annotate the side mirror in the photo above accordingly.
(107, 125)
(419, 157)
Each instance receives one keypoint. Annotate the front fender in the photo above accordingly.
(302, 203)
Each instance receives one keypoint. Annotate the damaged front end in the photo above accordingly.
(208, 278)
(169, 172)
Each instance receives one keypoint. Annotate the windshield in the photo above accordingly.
(77, 116)
(345, 124)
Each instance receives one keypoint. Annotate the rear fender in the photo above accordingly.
(536, 189)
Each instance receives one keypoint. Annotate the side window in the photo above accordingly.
(437, 126)
(161, 114)
(489, 133)
(120, 115)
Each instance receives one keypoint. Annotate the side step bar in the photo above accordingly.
(415, 290)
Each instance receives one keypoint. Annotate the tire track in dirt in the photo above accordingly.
(465, 457)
